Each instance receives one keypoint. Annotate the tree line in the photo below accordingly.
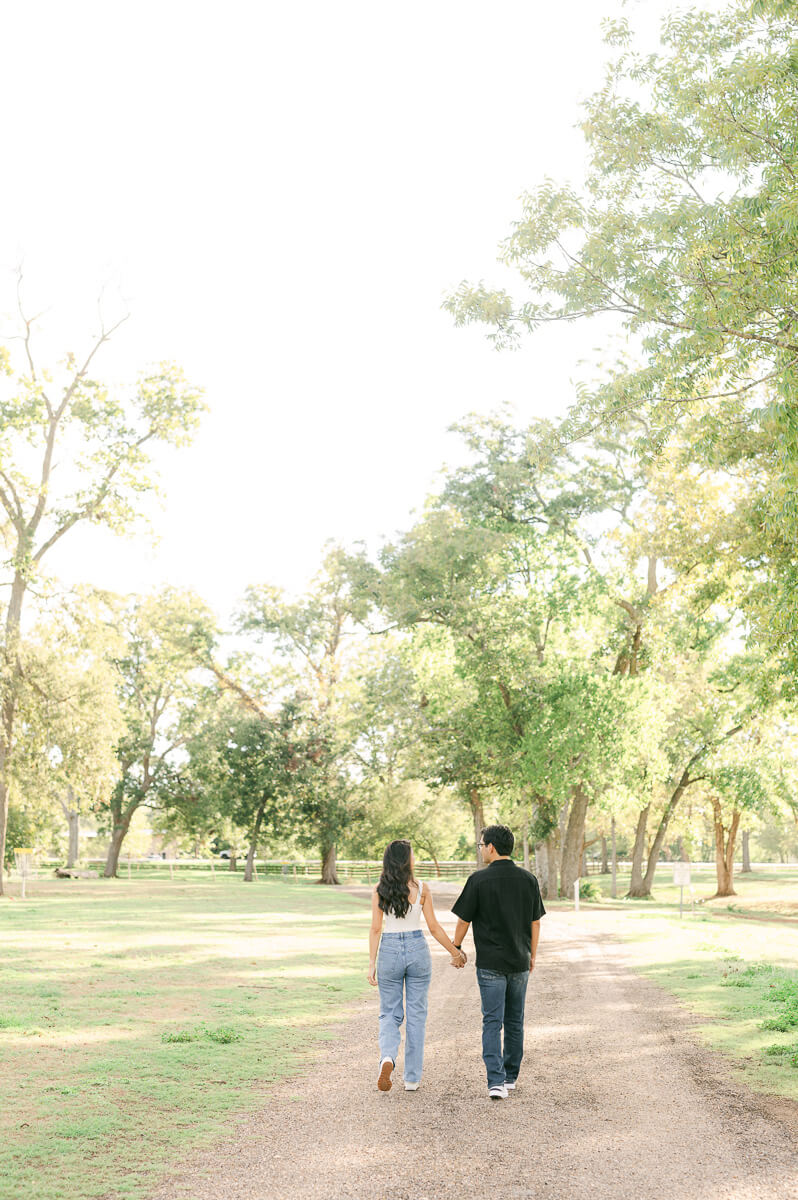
(591, 627)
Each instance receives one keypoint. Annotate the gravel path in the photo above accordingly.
(616, 1099)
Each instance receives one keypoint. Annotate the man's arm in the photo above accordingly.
(535, 936)
(460, 931)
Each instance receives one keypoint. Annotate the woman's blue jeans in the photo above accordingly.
(503, 998)
(404, 969)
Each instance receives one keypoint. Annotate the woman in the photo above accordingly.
(405, 966)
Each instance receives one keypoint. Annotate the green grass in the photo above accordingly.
(772, 892)
(135, 1017)
(739, 976)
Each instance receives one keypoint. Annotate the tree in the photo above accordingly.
(754, 777)
(685, 235)
(313, 636)
(102, 442)
(68, 719)
(653, 537)
(164, 700)
(432, 819)
(263, 765)
(546, 571)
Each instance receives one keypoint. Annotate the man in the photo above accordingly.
(503, 903)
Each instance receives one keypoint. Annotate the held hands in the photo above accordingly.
(459, 958)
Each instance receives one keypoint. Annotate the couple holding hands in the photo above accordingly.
(502, 902)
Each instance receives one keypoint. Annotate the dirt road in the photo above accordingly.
(616, 1101)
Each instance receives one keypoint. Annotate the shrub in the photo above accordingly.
(589, 890)
(223, 1035)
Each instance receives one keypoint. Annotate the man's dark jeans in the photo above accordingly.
(503, 999)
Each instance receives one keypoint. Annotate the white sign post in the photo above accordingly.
(681, 877)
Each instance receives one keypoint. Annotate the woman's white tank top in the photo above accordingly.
(406, 924)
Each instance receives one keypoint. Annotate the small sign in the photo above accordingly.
(681, 874)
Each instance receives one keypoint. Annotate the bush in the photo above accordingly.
(223, 1035)
(589, 890)
(784, 1023)
(779, 1050)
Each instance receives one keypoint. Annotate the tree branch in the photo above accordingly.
(92, 505)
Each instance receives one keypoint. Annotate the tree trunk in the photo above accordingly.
(253, 845)
(670, 808)
(72, 814)
(552, 859)
(117, 837)
(248, 863)
(724, 849)
(746, 868)
(329, 873)
(8, 712)
(478, 813)
(662, 829)
(3, 816)
(73, 819)
(233, 862)
(574, 841)
(526, 843)
(636, 885)
(6, 739)
(542, 868)
(605, 866)
(614, 886)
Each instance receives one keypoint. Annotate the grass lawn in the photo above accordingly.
(773, 890)
(136, 1016)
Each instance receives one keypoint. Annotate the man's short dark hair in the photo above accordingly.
(500, 838)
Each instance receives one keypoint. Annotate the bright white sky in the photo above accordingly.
(281, 193)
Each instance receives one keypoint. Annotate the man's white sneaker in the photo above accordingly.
(411, 1087)
(498, 1093)
(510, 1086)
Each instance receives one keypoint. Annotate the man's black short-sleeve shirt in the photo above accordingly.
(501, 902)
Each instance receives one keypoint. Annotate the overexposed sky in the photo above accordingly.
(281, 194)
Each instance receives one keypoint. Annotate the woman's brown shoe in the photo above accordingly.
(386, 1071)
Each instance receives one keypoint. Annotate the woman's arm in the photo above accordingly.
(374, 937)
(438, 932)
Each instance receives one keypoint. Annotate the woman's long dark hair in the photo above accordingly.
(394, 886)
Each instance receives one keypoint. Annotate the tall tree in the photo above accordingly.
(164, 700)
(101, 440)
(314, 637)
(68, 720)
(264, 763)
(685, 233)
